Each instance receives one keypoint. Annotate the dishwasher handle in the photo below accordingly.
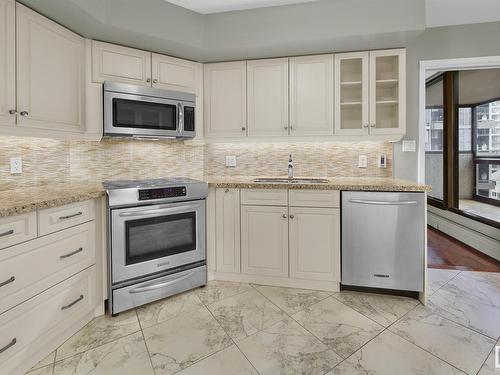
(383, 203)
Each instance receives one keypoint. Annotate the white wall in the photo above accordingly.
(460, 12)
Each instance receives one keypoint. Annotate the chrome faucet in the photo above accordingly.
(290, 167)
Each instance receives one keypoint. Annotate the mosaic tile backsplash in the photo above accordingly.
(321, 159)
(53, 161)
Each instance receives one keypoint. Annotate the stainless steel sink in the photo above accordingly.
(280, 180)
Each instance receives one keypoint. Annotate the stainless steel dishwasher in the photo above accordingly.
(383, 239)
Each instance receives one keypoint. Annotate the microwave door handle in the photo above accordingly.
(181, 119)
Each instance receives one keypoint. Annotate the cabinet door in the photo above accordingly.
(225, 99)
(7, 62)
(227, 226)
(267, 95)
(174, 74)
(264, 240)
(311, 95)
(50, 73)
(120, 64)
(387, 92)
(315, 243)
(351, 93)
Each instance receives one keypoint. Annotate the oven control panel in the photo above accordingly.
(161, 193)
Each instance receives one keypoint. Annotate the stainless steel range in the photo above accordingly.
(156, 239)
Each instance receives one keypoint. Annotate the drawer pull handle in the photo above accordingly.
(71, 254)
(7, 233)
(73, 303)
(9, 345)
(161, 284)
(11, 280)
(70, 216)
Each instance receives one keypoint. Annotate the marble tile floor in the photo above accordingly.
(231, 328)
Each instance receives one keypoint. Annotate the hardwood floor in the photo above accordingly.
(446, 252)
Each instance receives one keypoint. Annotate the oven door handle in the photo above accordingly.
(160, 285)
(156, 211)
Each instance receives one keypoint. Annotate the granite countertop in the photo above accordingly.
(27, 199)
(338, 183)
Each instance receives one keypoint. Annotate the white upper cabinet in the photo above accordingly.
(351, 93)
(311, 95)
(387, 92)
(50, 74)
(174, 74)
(225, 93)
(267, 95)
(370, 93)
(111, 62)
(7, 63)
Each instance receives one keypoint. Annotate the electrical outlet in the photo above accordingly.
(231, 161)
(362, 161)
(16, 165)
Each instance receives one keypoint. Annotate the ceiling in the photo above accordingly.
(219, 6)
(475, 86)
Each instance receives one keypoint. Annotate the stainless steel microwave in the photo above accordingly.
(146, 112)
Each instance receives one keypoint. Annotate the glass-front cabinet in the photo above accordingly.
(370, 93)
(351, 94)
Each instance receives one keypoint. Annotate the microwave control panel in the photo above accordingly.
(162, 193)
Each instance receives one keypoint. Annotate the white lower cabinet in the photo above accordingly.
(227, 216)
(315, 243)
(25, 329)
(288, 238)
(48, 280)
(264, 240)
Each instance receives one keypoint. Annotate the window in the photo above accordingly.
(463, 150)
(434, 137)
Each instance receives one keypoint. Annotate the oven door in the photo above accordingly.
(150, 239)
(130, 114)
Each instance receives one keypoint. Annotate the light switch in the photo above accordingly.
(16, 165)
(409, 146)
(231, 161)
(382, 161)
(362, 161)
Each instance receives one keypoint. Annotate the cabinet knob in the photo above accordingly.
(285, 127)
(226, 191)
(292, 216)
(372, 125)
(148, 80)
(24, 113)
(365, 125)
(283, 216)
(155, 80)
(12, 112)
(243, 128)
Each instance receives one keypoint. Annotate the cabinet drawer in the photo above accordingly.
(30, 268)
(57, 218)
(264, 197)
(315, 198)
(61, 305)
(17, 229)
